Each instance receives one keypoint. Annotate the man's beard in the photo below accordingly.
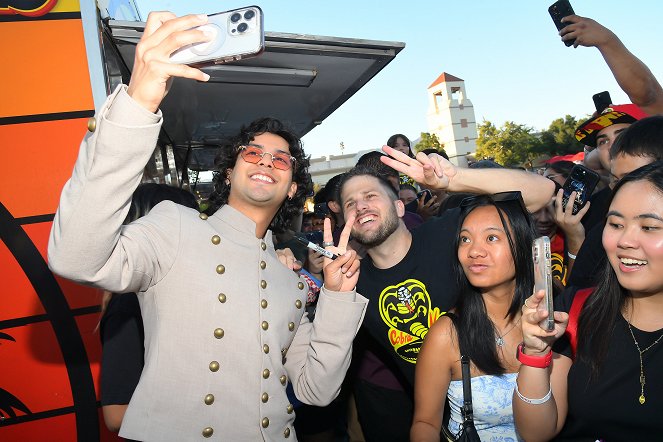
(374, 239)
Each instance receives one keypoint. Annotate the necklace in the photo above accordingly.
(499, 339)
(641, 399)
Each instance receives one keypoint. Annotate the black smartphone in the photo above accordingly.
(314, 236)
(237, 34)
(583, 181)
(558, 11)
(321, 210)
(601, 101)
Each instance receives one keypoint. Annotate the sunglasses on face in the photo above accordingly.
(254, 154)
(496, 198)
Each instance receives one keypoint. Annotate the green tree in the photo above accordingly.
(510, 145)
(559, 138)
(428, 141)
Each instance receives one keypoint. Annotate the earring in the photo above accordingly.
(227, 182)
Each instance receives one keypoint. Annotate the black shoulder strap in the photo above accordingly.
(468, 415)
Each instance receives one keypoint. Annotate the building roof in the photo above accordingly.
(444, 78)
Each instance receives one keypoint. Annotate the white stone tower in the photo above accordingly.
(451, 117)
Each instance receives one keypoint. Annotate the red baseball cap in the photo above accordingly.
(615, 114)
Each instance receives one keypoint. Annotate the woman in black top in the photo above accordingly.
(613, 388)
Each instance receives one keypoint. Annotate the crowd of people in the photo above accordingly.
(226, 325)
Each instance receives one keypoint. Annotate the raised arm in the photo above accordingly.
(435, 172)
(320, 354)
(632, 75)
(540, 401)
(85, 243)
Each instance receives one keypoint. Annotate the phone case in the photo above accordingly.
(583, 181)
(543, 278)
(558, 11)
(238, 34)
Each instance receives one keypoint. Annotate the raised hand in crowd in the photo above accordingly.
(341, 274)
(427, 209)
(574, 231)
(633, 76)
(437, 173)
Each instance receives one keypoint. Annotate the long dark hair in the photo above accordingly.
(148, 195)
(391, 142)
(227, 158)
(602, 308)
(475, 330)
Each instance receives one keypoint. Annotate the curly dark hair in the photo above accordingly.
(227, 158)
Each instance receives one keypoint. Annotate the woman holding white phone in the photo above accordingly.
(612, 388)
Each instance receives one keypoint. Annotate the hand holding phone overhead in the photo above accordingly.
(559, 10)
(234, 35)
(152, 71)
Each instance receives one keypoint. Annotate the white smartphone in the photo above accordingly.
(238, 34)
(543, 278)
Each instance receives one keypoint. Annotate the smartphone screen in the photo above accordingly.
(582, 181)
(558, 11)
(543, 278)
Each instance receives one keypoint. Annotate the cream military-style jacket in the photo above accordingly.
(225, 325)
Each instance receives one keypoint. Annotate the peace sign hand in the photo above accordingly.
(432, 171)
(341, 274)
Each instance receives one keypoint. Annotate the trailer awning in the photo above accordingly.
(299, 79)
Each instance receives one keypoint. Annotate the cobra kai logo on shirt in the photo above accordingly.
(406, 309)
(557, 267)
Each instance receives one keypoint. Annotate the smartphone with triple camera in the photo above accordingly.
(583, 181)
(237, 34)
(602, 100)
(558, 11)
(543, 279)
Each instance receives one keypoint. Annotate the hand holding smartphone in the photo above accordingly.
(583, 181)
(428, 195)
(237, 34)
(543, 279)
(558, 11)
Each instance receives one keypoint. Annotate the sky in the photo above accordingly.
(513, 62)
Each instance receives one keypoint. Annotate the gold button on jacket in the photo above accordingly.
(91, 124)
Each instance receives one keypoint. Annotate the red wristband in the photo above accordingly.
(533, 361)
